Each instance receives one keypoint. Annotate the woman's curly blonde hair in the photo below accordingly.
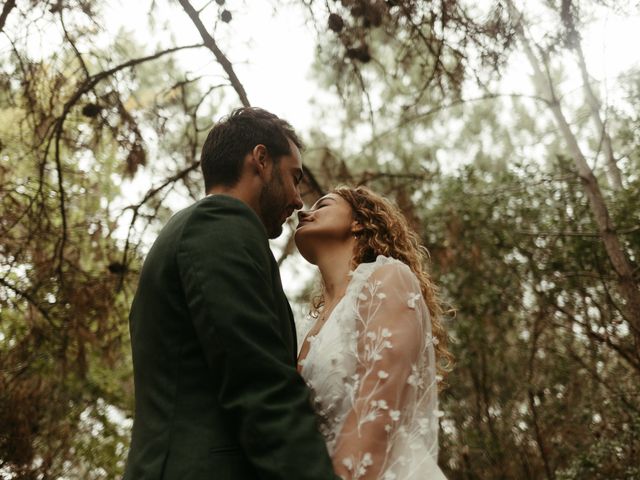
(386, 232)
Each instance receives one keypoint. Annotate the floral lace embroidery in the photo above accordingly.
(371, 369)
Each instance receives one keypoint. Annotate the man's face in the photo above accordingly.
(280, 197)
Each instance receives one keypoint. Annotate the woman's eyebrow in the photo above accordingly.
(322, 200)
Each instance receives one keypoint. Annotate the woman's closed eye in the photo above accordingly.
(323, 202)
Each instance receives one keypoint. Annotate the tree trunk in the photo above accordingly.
(613, 172)
(628, 288)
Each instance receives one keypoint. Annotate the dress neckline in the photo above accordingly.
(358, 275)
(310, 338)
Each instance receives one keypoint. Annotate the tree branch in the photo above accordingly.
(538, 328)
(210, 43)
(454, 103)
(136, 209)
(614, 176)
(86, 86)
(27, 297)
(6, 9)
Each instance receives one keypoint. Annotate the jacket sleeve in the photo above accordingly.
(224, 262)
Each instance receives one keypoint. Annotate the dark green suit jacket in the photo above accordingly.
(214, 352)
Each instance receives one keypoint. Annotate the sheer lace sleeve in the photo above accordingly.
(394, 385)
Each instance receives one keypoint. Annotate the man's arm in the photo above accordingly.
(224, 262)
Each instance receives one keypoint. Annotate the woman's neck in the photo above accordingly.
(335, 265)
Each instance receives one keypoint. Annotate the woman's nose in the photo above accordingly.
(302, 214)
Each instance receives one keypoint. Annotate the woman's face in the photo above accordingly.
(327, 224)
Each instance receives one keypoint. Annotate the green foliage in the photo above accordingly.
(64, 314)
(542, 381)
(70, 245)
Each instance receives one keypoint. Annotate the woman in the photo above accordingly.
(374, 354)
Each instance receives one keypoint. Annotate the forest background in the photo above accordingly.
(514, 155)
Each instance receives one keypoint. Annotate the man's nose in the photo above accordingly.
(297, 201)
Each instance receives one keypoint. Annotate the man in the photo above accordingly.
(213, 339)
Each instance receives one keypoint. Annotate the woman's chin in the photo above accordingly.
(304, 247)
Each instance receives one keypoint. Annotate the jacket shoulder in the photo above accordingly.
(220, 225)
(221, 209)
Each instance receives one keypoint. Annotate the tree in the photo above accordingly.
(627, 284)
(544, 305)
(411, 101)
(73, 128)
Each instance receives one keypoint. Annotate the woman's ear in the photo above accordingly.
(356, 228)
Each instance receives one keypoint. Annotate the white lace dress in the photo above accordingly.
(371, 369)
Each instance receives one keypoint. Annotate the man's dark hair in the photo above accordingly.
(234, 136)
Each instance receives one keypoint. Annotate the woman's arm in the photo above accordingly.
(390, 342)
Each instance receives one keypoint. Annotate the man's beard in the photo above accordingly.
(273, 205)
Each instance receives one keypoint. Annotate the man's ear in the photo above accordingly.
(261, 160)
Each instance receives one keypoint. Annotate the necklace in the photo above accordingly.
(304, 351)
(328, 309)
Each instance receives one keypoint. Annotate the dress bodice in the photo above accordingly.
(371, 370)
